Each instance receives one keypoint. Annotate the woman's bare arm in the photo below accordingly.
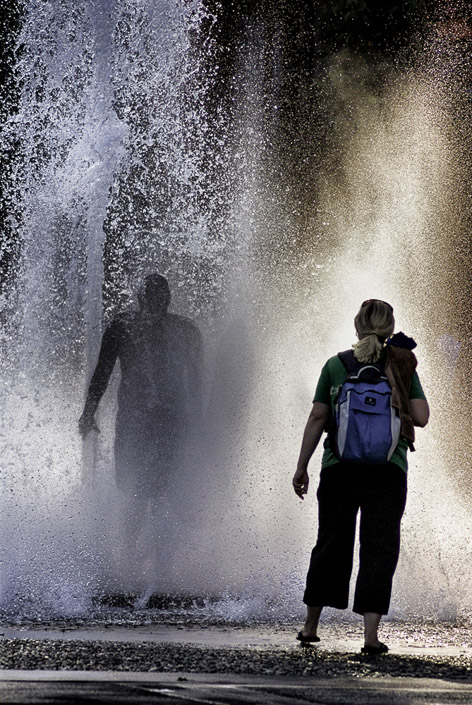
(419, 411)
(311, 437)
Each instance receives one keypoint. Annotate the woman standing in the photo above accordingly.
(377, 490)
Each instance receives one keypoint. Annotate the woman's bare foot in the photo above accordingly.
(371, 626)
(309, 631)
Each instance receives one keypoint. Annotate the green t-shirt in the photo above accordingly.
(331, 379)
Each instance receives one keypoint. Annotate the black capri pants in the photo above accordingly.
(379, 492)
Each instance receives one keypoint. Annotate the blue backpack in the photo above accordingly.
(366, 426)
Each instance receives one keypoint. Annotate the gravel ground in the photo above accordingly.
(43, 654)
(328, 660)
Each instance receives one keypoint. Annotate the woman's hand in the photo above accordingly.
(300, 482)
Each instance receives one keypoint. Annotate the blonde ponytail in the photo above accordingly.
(374, 324)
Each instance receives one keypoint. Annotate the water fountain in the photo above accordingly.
(127, 164)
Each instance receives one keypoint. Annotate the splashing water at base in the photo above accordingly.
(119, 169)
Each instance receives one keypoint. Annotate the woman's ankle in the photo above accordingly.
(371, 625)
(311, 621)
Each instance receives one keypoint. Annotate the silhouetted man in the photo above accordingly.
(160, 390)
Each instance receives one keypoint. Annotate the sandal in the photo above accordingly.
(307, 639)
(375, 650)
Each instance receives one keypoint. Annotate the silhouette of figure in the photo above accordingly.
(159, 393)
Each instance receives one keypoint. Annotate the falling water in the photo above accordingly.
(125, 166)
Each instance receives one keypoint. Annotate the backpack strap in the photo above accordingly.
(348, 360)
(353, 365)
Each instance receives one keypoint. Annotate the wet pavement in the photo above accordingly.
(156, 656)
(439, 639)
